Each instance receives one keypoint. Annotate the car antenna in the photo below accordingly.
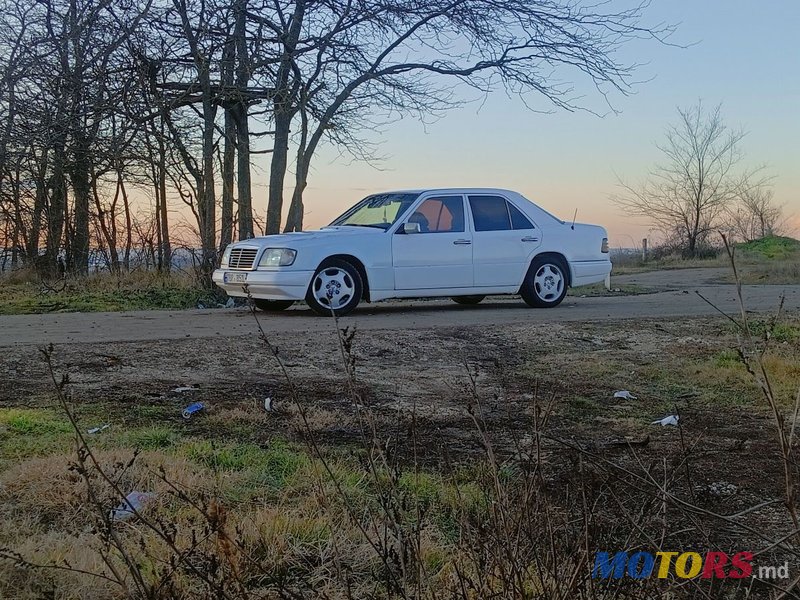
(575, 216)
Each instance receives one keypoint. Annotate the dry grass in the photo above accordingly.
(24, 292)
(773, 260)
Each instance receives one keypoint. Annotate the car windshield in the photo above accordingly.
(380, 210)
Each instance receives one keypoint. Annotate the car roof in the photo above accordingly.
(460, 190)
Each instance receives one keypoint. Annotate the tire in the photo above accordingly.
(467, 299)
(338, 282)
(272, 305)
(546, 282)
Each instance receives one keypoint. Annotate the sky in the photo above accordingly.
(740, 53)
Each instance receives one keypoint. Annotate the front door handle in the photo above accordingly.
(462, 242)
(530, 239)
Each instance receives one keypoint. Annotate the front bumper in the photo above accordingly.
(277, 284)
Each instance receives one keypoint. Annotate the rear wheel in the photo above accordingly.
(545, 284)
(272, 305)
(467, 299)
(335, 288)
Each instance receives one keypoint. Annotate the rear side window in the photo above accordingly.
(518, 220)
(490, 213)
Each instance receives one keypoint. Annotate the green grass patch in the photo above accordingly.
(269, 467)
(727, 359)
(582, 407)
(779, 332)
(156, 437)
(427, 488)
(772, 247)
(33, 422)
(32, 432)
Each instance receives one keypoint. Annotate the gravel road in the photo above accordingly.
(675, 295)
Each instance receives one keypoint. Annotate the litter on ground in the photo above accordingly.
(668, 420)
(133, 503)
(191, 409)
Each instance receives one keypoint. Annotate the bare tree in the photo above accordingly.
(755, 213)
(687, 196)
(98, 97)
(358, 59)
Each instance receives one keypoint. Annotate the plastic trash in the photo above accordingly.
(185, 388)
(268, 404)
(624, 394)
(668, 420)
(191, 409)
(230, 303)
(94, 430)
(134, 501)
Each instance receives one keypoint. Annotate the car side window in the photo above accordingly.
(490, 213)
(518, 220)
(443, 214)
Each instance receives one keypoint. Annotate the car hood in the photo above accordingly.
(290, 240)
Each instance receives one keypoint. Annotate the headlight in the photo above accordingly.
(277, 257)
(226, 256)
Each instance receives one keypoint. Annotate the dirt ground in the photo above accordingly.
(427, 376)
(431, 392)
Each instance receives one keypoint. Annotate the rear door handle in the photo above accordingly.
(530, 239)
(462, 242)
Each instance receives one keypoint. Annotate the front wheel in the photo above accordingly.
(336, 288)
(272, 305)
(545, 284)
(467, 299)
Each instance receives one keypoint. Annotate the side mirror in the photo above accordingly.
(411, 228)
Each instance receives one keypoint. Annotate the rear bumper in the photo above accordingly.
(585, 272)
(269, 285)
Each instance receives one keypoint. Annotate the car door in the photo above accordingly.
(503, 241)
(440, 255)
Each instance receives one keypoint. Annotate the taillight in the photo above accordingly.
(604, 246)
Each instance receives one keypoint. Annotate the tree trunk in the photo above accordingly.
(277, 172)
(108, 229)
(228, 159)
(18, 226)
(162, 219)
(206, 202)
(243, 176)
(229, 144)
(39, 202)
(283, 110)
(241, 114)
(294, 221)
(55, 212)
(81, 189)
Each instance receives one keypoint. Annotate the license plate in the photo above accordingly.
(234, 277)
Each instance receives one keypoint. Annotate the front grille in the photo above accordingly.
(242, 258)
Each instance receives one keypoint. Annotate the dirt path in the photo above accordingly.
(678, 299)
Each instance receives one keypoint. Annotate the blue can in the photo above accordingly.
(191, 409)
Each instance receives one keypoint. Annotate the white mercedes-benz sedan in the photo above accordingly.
(463, 243)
